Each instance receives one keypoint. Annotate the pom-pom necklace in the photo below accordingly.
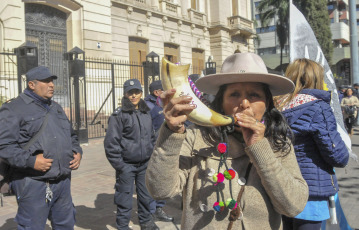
(228, 174)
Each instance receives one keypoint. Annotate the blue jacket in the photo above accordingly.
(20, 120)
(318, 145)
(156, 112)
(130, 136)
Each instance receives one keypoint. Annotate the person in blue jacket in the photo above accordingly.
(128, 145)
(157, 119)
(317, 143)
(41, 176)
(341, 93)
(156, 111)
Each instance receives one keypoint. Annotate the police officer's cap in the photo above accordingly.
(156, 85)
(39, 73)
(356, 84)
(132, 84)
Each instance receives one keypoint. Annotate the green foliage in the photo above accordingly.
(316, 13)
(278, 9)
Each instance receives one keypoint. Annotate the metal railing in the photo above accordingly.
(104, 86)
(8, 75)
(104, 79)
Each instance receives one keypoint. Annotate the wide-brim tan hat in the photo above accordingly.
(244, 67)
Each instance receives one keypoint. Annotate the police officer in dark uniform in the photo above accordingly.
(128, 145)
(157, 120)
(155, 110)
(42, 173)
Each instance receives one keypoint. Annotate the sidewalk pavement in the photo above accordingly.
(348, 180)
(92, 192)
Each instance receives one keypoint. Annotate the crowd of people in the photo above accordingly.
(272, 168)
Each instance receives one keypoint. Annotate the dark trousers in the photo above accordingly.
(124, 192)
(33, 210)
(298, 224)
(349, 124)
(157, 204)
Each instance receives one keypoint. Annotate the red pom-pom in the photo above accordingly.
(229, 174)
(222, 148)
(218, 178)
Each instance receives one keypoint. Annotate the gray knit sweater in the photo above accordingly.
(180, 164)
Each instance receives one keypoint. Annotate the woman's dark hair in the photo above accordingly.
(277, 130)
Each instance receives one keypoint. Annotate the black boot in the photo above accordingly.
(162, 216)
(150, 225)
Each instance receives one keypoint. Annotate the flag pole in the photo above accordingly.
(353, 43)
(289, 8)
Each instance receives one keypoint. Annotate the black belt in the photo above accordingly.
(55, 180)
(138, 164)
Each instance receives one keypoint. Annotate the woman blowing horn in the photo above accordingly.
(245, 179)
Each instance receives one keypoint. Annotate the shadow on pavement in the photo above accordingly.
(98, 218)
(10, 224)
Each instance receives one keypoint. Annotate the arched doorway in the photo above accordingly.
(46, 28)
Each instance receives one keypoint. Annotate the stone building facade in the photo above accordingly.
(184, 31)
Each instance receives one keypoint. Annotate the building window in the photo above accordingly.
(256, 4)
(357, 7)
(330, 7)
(197, 61)
(344, 20)
(266, 29)
(271, 50)
(332, 20)
(258, 16)
(138, 50)
(357, 22)
(234, 7)
(195, 4)
(171, 52)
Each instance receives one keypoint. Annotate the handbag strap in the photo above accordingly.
(37, 135)
(235, 213)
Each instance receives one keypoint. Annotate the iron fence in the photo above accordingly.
(104, 86)
(8, 75)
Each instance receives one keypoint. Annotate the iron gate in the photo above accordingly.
(104, 86)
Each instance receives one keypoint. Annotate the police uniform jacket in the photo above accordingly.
(130, 136)
(156, 112)
(20, 120)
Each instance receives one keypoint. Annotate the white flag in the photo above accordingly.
(303, 44)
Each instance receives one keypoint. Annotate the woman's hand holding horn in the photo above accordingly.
(176, 110)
